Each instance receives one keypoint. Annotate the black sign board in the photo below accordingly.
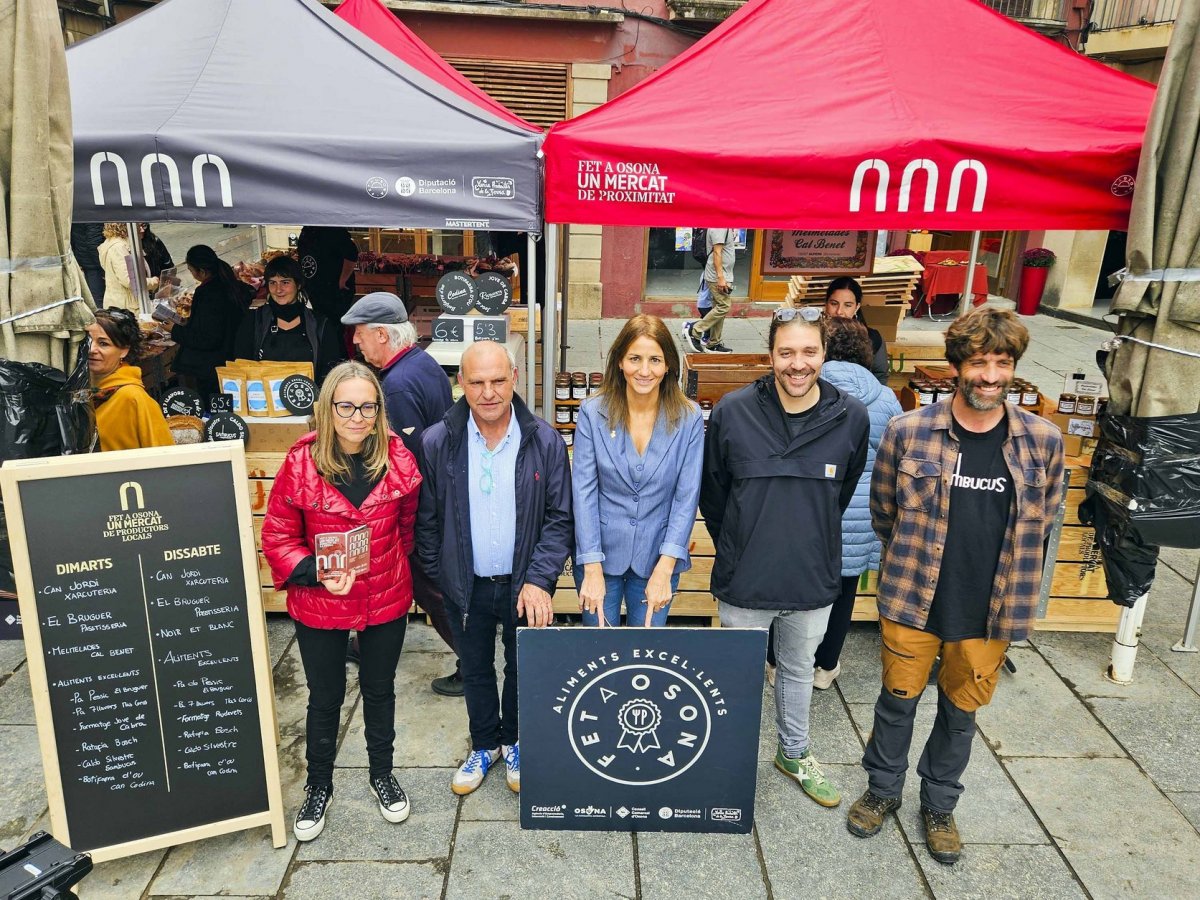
(448, 329)
(298, 393)
(147, 649)
(219, 403)
(490, 328)
(226, 427)
(182, 401)
(455, 293)
(493, 293)
(640, 729)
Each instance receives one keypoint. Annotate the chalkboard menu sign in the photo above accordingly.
(147, 646)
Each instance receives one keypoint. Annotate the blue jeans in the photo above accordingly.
(491, 715)
(798, 633)
(630, 587)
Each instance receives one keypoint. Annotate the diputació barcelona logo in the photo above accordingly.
(639, 725)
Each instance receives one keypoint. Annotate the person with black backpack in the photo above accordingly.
(719, 255)
(285, 328)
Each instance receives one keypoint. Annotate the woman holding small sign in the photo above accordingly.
(337, 535)
(126, 416)
(639, 450)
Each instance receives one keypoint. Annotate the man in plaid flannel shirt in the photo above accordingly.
(962, 496)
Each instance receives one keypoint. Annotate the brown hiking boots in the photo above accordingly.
(866, 815)
(941, 836)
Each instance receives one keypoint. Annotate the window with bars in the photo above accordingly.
(537, 92)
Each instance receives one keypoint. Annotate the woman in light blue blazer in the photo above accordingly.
(639, 449)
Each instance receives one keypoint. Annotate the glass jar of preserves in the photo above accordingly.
(1014, 394)
(1030, 398)
(1066, 404)
(926, 393)
(562, 414)
(595, 379)
(574, 415)
(562, 386)
(706, 408)
(568, 435)
(1085, 405)
(579, 386)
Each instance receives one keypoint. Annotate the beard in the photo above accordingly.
(969, 390)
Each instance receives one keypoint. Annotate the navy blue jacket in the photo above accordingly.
(416, 393)
(545, 529)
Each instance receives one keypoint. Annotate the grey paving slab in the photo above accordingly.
(1034, 714)
(364, 881)
(1121, 836)
(248, 865)
(1188, 803)
(1080, 660)
(281, 631)
(354, 829)
(498, 859)
(861, 669)
(718, 866)
(421, 638)
(1185, 562)
(809, 853)
(12, 654)
(1159, 639)
(430, 728)
(22, 786)
(1170, 597)
(1003, 872)
(16, 699)
(492, 801)
(120, 879)
(1161, 737)
(991, 810)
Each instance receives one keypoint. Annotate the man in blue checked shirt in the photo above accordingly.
(495, 531)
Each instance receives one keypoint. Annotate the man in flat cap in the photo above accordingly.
(416, 393)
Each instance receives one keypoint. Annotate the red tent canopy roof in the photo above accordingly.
(863, 114)
(377, 22)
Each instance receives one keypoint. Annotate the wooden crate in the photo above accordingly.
(710, 376)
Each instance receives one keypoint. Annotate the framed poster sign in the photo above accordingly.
(640, 729)
(816, 252)
(147, 646)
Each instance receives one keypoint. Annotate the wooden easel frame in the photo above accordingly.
(138, 461)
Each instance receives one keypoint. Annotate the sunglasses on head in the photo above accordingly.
(791, 313)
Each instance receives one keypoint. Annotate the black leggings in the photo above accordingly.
(835, 631)
(323, 652)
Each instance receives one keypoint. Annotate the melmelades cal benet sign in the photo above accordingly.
(639, 729)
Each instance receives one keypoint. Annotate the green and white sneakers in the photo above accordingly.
(807, 773)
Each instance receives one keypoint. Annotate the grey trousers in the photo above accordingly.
(943, 761)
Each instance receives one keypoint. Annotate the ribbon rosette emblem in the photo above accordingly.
(638, 720)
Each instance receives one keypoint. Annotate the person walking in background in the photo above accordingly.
(114, 254)
(705, 336)
(349, 472)
(86, 238)
(157, 256)
(206, 339)
(639, 451)
(843, 300)
(416, 394)
(495, 531)
(126, 416)
(847, 358)
(781, 461)
(962, 498)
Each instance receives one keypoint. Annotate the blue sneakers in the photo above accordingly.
(471, 773)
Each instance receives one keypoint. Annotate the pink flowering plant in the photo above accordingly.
(1038, 258)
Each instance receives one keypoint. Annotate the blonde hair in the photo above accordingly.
(330, 459)
(116, 229)
(671, 399)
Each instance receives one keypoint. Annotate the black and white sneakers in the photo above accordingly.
(310, 821)
(393, 803)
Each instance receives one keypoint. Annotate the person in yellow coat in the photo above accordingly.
(126, 416)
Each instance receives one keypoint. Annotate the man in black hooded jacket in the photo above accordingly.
(782, 457)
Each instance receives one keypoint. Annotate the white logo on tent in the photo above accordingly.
(405, 186)
(377, 187)
(931, 172)
(171, 169)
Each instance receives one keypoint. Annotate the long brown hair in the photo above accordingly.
(671, 399)
(328, 456)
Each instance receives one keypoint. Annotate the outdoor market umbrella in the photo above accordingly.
(36, 188)
(1159, 298)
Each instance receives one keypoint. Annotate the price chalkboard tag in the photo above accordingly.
(219, 403)
(298, 393)
(490, 328)
(182, 401)
(493, 293)
(147, 658)
(227, 427)
(455, 292)
(448, 329)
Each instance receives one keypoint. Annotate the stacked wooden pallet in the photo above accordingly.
(893, 282)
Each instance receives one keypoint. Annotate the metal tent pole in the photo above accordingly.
(1188, 644)
(964, 305)
(529, 285)
(549, 324)
(137, 283)
(565, 256)
(1125, 644)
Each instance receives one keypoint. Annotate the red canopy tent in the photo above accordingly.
(831, 114)
(377, 22)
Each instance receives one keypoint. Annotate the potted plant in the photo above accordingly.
(1037, 262)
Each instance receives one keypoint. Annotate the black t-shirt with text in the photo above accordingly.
(981, 497)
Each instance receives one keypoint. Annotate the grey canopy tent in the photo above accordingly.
(278, 112)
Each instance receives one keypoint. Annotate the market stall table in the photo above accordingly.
(946, 273)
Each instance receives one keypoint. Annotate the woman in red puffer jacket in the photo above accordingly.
(352, 471)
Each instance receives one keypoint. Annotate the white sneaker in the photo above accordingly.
(823, 678)
(470, 774)
(512, 765)
(310, 820)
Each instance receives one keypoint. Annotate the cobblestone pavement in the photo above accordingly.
(1077, 788)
